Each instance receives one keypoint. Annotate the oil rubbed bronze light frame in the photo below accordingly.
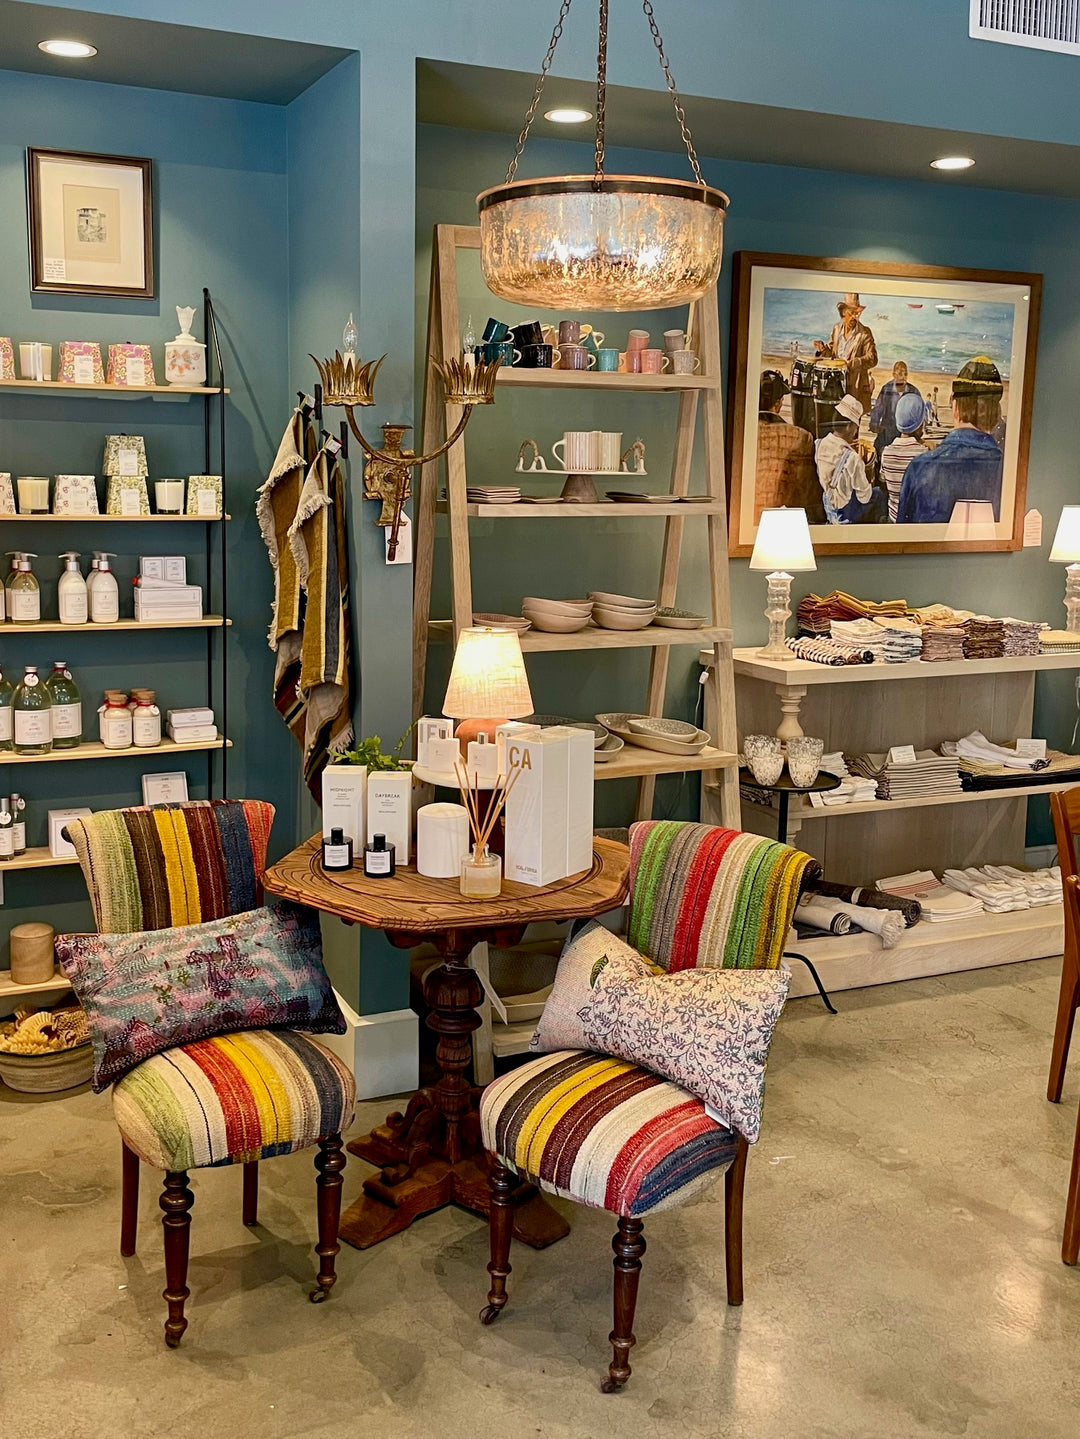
(599, 241)
(387, 470)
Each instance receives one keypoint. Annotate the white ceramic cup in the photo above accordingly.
(610, 449)
(169, 496)
(684, 362)
(579, 450)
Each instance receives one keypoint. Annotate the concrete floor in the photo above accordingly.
(903, 1223)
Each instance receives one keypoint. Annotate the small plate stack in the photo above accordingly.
(665, 736)
(558, 617)
(621, 612)
(493, 494)
(487, 621)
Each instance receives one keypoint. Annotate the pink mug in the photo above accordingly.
(637, 340)
(633, 362)
(653, 362)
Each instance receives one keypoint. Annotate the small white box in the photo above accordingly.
(428, 729)
(536, 808)
(389, 809)
(59, 847)
(176, 569)
(442, 755)
(152, 567)
(382, 1050)
(512, 729)
(580, 789)
(191, 715)
(344, 791)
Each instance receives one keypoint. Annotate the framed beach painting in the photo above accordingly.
(91, 224)
(891, 402)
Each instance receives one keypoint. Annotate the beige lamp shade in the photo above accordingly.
(1066, 547)
(488, 679)
(783, 542)
(971, 520)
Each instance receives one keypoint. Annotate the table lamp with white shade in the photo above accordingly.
(1066, 551)
(782, 548)
(488, 684)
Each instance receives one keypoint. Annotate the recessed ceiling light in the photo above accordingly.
(568, 115)
(68, 49)
(952, 162)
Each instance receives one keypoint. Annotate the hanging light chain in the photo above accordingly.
(556, 36)
(601, 91)
(679, 112)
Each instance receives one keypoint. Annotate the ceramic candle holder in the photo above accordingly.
(804, 759)
(764, 756)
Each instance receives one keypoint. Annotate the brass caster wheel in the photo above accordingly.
(490, 1313)
(318, 1295)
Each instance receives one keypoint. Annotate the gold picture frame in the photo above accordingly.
(91, 224)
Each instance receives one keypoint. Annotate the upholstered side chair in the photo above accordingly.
(233, 1099)
(1065, 808)
(611, 1135)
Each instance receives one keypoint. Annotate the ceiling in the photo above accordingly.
(481, 99)
(162, 57)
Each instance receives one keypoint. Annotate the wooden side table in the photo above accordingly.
(431, 1155)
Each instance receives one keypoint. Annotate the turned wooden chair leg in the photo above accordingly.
(175, 1201)
(1070, 1242)
(733, 1222)
(329, 1161)
(1068, 1001)
(129, 1203)
(251, 1193)
(500, 1223)
(629, 1246)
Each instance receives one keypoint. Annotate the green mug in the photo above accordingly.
(607, 359)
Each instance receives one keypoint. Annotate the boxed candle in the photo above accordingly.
(344, 793)
(389, 809)
(536, 811)
(579, 797)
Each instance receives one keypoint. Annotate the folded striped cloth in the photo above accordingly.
(824, 651)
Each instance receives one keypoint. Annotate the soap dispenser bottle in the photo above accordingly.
(104, 597)
(71, 591)
(25, 595)
(33, 715)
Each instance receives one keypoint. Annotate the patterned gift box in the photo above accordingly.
(77, 357)
(127, 495)
(7, 494)
(7, 358)
(204, 495)
(115, 443)
(75, 495)
(131, 364)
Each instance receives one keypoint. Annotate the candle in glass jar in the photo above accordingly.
(33, 494)
(169, 496)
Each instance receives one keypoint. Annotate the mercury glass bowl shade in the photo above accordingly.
(634, 243)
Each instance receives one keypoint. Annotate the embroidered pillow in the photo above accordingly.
(151, 991)
(708, 1030)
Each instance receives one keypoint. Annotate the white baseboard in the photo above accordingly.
(382, 1050)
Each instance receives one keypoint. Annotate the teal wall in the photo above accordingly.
(783, 210)
(220, 200)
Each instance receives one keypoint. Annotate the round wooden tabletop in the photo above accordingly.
(412, 903)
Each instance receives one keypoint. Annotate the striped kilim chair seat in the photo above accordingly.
(603, 1132)
(233, 1099)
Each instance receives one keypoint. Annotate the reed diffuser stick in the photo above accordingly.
(499, 799)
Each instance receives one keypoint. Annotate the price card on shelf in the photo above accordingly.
(136, 370)
(83, 369)
(1031, 749)
(207, 502)
(902, 754)
(130, 501)
(127, 461)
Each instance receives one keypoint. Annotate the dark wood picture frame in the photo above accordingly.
(38, 282)
(742, 366)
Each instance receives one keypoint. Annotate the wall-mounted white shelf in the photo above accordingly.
(111, 519)
(123, 392)
(602, 380)
(57, 985)
(54, 627)
(35, 858)
(94, 749)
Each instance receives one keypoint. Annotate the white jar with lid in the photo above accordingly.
(115, 721)
(145, 720)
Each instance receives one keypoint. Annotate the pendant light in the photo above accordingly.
(599, 241)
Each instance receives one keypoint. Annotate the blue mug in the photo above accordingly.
(607, 359)
(497, 350)
(495, 331)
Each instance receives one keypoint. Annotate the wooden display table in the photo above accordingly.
(431, 1155)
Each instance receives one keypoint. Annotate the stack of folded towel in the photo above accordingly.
(824, 651)
(930, 774)
(862, 634)
(984, 638)
(1042, 886)
(942, 642)
(903, 640)
(1059, 642)
(1021, 637)
(941, 904)
(997, 896)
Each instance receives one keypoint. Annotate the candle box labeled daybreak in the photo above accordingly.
(344, 792)
(389, 809)
(537, 809)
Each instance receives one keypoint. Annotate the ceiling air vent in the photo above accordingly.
(1038, 24)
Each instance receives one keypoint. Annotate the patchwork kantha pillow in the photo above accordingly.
(708, 1030)
(147, 992)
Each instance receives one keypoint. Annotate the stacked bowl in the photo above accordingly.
(559, 617)
(621, 612)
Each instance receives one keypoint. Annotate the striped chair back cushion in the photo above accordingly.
(173, 864)
(711, 897)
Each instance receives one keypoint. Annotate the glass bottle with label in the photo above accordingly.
(18, 824)
(7, 696)
(33, 714)
(104, 596)
(114, 719)
(67, 721)
(7, 831)
(145, 720)
(24, 595)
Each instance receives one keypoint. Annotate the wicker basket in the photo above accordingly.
(47, 1073)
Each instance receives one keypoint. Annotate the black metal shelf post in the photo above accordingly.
(213, 344)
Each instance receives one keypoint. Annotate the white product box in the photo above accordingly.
(389, 809)
(59, 847)
(536, 808)
(192, 733)
(512, 729)
(442, 755)
(382, 1050)
(579, 797)
(344, 792)
(428, 729)
(191, 715)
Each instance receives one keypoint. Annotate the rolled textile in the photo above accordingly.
(888, 924)
(911, 909)
(821, 916)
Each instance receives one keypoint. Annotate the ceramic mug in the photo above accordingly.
(631, 362)
(576, 357)
(675, 340)
(579, 450)
(684, 362)
(527, 334)
(607, 359)
(495, 331)
(592, 339)
(569, 332)
(536, 357)
(653, 362)
(609, 449)
(493, 350)
(636, 340)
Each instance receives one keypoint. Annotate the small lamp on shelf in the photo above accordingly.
(1066, 551)
(488, 684)
(782, 548)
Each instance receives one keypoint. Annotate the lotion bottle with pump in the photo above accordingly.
(104, 596)
(24, 594)
(71, 591)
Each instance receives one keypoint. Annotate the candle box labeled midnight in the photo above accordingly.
(344, 794)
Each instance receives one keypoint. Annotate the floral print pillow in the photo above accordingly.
(151, 991)
(707, 1030)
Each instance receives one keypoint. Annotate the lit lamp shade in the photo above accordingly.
(488, 683)
(1066, 547)
(783, 542)
(629, 242)
(972, 520)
